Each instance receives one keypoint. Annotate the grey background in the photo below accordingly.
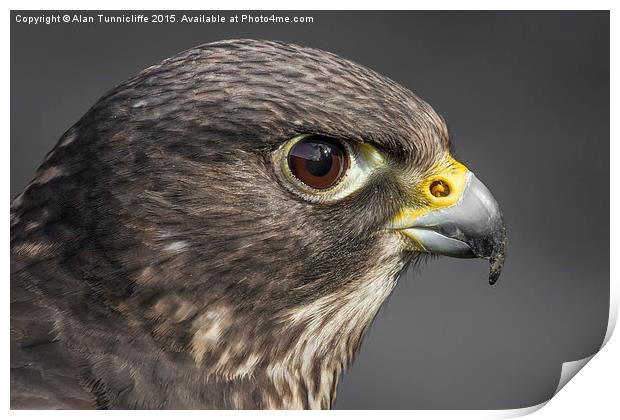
(526, 95)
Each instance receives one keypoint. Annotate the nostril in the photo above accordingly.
(439, 189)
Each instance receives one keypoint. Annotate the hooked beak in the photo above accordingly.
(460, 218)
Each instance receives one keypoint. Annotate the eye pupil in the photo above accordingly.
(318, 161)
(323, 163)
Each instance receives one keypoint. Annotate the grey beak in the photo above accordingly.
(471, 228)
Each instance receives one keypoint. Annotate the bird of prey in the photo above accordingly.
(220, 230)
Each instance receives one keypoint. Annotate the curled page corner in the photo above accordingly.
(613, 313)
(570, 369)
(518, 412)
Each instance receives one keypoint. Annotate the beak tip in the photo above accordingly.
(497, 259)
(493, 276)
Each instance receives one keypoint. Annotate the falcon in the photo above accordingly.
(220, 230)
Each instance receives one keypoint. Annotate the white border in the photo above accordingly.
(594, 394)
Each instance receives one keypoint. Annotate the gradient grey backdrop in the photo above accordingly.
(526, 95)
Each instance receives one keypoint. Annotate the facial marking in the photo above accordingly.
(344, 313)
(49, 174)
(68, 138)
(32, 249)
(210, 326)
(176, 246)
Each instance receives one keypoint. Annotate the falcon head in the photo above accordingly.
(250, 204)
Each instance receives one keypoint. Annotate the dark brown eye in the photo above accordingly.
(318, 161)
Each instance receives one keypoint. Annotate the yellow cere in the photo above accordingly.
(443, 188)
